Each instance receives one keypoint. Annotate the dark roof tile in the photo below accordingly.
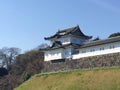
(85, 45)
(100, 42)
(69, 31)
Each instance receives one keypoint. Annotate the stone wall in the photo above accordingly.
(87, 62)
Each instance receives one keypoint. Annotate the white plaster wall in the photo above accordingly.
(85, 52)
(97, 51)
(58, 54)
(53, 54)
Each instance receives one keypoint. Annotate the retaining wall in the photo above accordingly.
(82, 63)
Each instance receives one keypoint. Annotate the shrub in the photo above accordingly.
(26, 76)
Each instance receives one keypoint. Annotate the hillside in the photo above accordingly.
(90, 79)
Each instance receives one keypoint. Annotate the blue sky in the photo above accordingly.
(25, 23)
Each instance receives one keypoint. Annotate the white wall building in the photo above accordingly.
(71, 43)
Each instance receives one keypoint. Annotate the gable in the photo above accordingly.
(75, 31)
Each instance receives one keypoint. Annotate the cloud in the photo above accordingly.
(106, 5)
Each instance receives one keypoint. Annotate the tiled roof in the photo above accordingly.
(100, 42)
(88, 44)
(56, 44)
(69, 31)
(62, 46)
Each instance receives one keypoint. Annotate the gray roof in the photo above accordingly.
(74, 31)
(57, 45)
(100, 42)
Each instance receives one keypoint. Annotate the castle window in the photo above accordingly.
(83, 51)
(92, 50)
(75, 51)
(102, 48)
(112, 47)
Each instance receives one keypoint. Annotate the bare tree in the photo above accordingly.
(41, 46)
(8, 55)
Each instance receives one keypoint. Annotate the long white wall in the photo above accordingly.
(98, 50)
(84, 52)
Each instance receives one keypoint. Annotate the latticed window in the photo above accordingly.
(92, 50)
(75, 51)
(102, 48)
(112, 47)
(84, 51)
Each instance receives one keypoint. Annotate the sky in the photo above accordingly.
(25, 23)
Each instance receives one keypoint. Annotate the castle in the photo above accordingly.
(72, 43)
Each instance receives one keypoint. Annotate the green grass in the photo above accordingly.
(88, 79)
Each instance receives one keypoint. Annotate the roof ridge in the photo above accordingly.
(69, 29)
(107, 39)
(103, 40)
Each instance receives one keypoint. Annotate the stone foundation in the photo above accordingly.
(82, 63)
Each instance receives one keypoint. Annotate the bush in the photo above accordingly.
(26, 76)
(114, 35)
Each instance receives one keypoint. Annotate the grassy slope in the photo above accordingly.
(94, 79)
